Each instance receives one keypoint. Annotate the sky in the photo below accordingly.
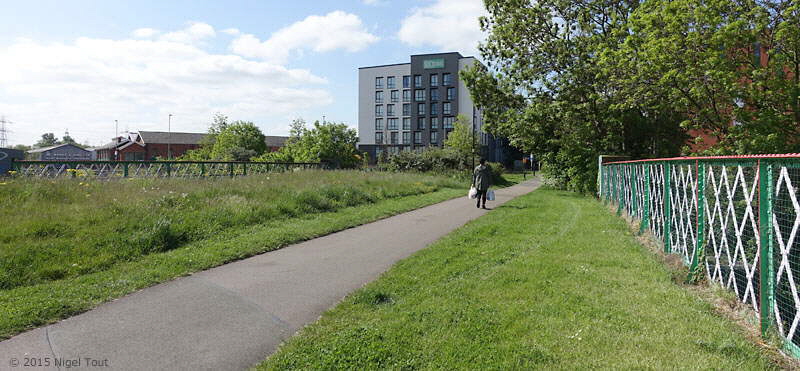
(79, 65)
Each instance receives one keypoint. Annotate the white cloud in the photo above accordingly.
(144, 33)
(450, 25)
(232, 31)
(371, 2)
(335, 30)
(86, 84)
(195, 32)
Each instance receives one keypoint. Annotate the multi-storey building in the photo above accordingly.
(409, 106)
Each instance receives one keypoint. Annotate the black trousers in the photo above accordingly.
(482, 196)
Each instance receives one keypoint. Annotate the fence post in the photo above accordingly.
(667, 208)
(169, 169)
(621, 187)
(634, 204)
(244, 169)
(125, 170)
(767, 292)
(696, 268)
(202, 169)
(230, 168)
(645, 201)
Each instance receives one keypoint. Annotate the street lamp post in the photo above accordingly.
(169, 137)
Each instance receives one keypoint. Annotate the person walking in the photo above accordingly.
(481, 180)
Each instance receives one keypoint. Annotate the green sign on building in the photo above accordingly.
(433, 63)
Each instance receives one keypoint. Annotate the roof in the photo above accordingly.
(45, 149)
(171, 138)
(275, 141)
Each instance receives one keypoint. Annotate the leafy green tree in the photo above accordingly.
(48, 139)
(729, 66)
(462, 140)
(238, 141)
(334, 144)
(548, 93)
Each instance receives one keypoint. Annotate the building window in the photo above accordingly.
(378, 152)
(421, 123)
(434, 137)
(434, 95)
(447, 108)
(451, 93)
(447, 79)
(379, 83)
(378, 110)
(390, 110)
(393, 137)
(417, 137)
(447, 122)
(394, 150)
(406, 95)
(395, 95)
(421, 109)
(406, 109)
(434, 123)
(407, 123)
(390, 82)
(378, 97)
(417, 81)
(392, 124)
(378, 124)
(379, 138)
(434, 80)
(435, 108)
(406, 82)
(419, 95)
(406, 137)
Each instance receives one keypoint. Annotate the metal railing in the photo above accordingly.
(733, 219)
(151, 169)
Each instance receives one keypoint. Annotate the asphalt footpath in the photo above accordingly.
(234, 316)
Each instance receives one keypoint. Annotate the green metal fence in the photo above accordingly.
(151, 169)
(733, 219)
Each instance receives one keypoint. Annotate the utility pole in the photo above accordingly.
(169, 137)
(3, 132)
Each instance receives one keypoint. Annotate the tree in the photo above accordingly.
(332, 143)
(462, 140)
(238, 141)
(550, 96)
(48, 139)
(730, 66)
(68, 139)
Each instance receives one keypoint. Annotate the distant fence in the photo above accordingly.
(735, 218)
(151, 169)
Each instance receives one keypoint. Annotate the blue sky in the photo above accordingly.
(79, 65)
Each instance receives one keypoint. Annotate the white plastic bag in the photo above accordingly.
(473, 193)
(490, 195)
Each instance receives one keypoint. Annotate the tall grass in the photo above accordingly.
(66, 228)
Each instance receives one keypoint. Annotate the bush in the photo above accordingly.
(432, 159)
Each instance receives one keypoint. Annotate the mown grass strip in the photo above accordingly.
(31, 306)
(550, 280)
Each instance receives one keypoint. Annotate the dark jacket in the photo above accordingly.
(482, 177)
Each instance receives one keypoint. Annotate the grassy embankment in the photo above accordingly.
(69, 245)
(551, 280)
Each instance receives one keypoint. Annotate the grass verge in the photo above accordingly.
(550, 280)
(36, 304)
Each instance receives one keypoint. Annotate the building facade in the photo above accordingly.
(152, 145)
(61, 152)
(410, 106)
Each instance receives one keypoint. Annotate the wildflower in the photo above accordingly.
(12, 173)
(3, 183)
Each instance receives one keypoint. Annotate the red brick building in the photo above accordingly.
(149, 145)
(152, 145)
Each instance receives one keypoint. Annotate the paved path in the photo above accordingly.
(233, 316)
